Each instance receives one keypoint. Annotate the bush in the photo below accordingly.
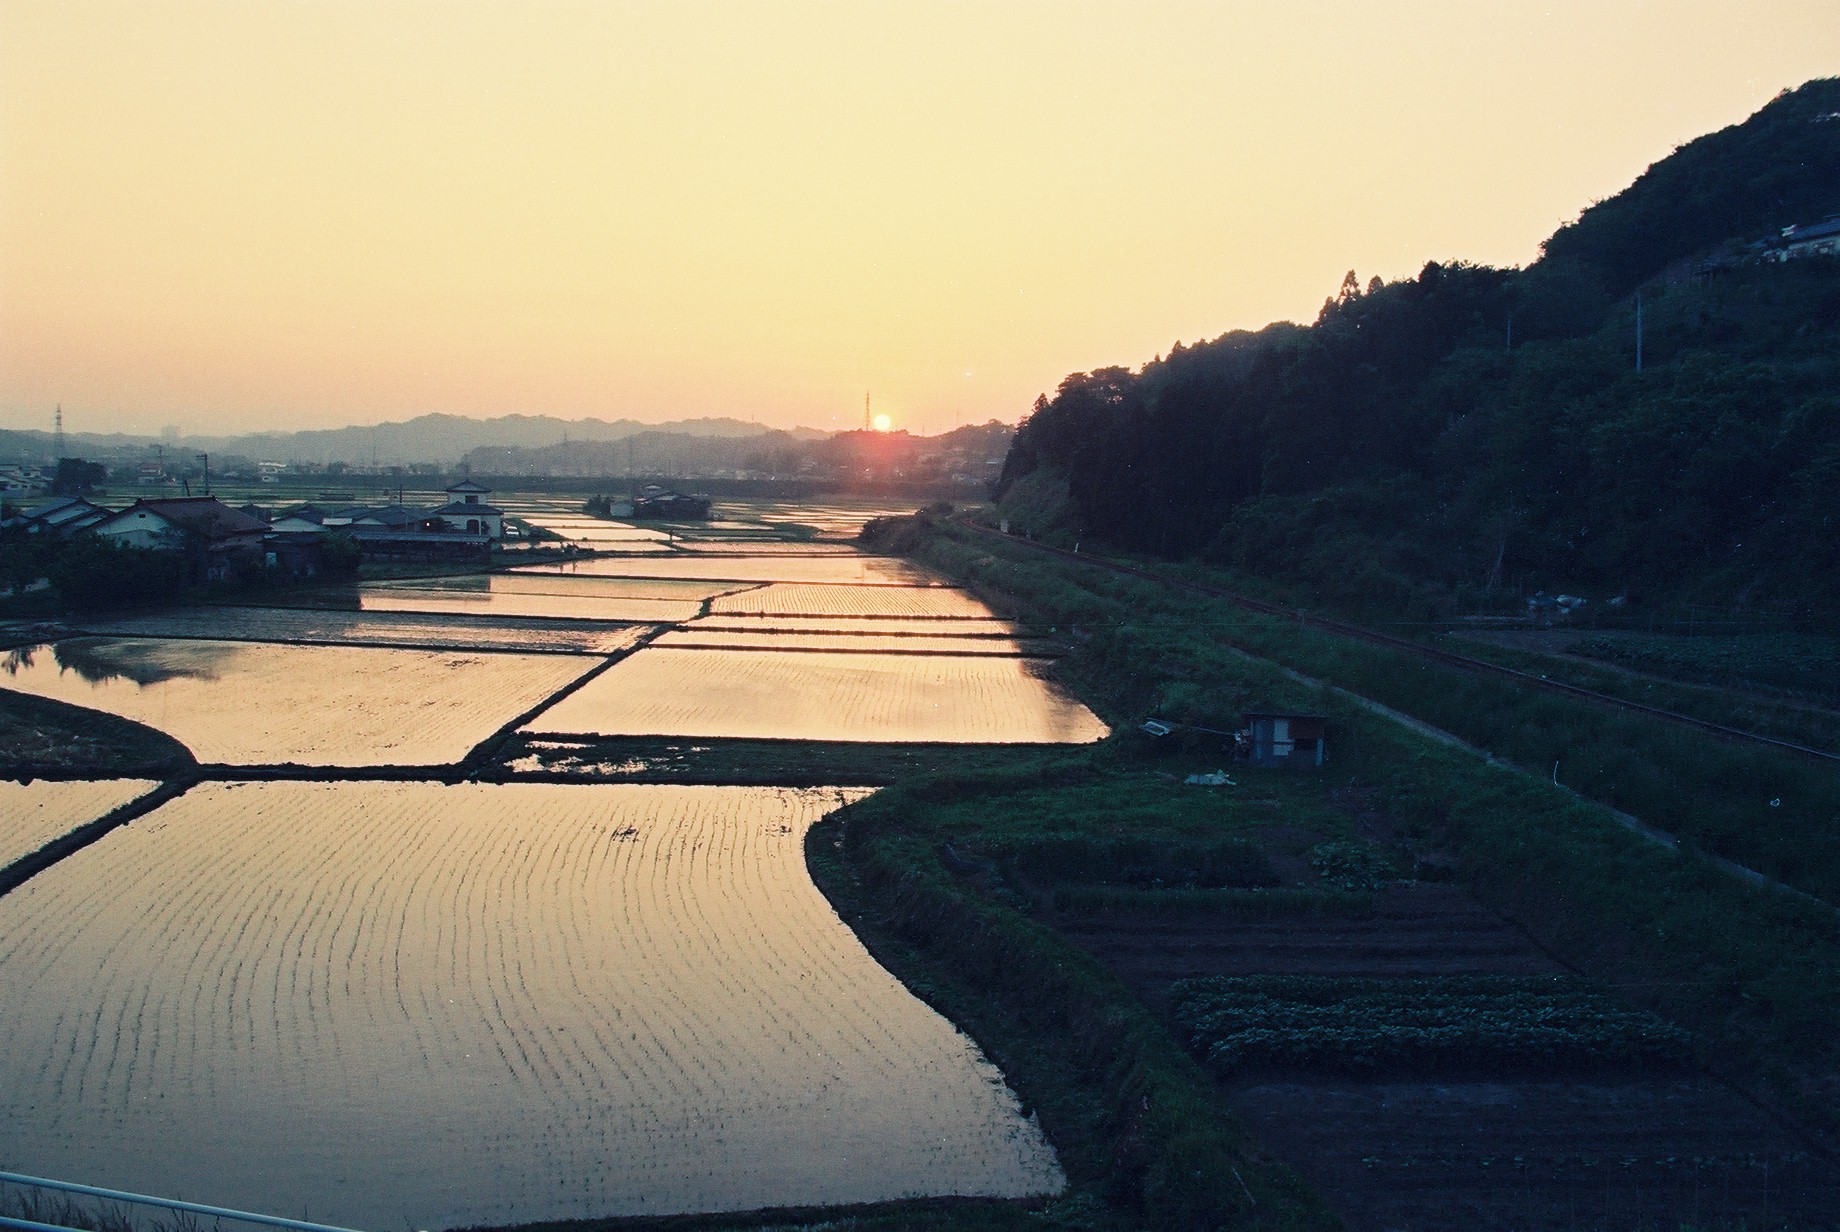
(341, 554)
(97, 573)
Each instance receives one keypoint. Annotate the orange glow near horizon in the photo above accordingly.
(232, 216)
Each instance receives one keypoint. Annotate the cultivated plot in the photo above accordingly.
(254, 703)
(828, 600)
(857, 568)
(763, 694)
(32, 814)
(374, 628)
(407, 1005)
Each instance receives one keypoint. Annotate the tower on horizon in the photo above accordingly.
(868, 423)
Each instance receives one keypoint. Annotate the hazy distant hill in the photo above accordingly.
(442, 439)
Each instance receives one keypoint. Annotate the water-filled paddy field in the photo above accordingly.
(32, 814)
(873, 625)
(396, 1003)
(797, 599)
(856, 568)
(432, 630)
(261, 704)
(402, 1004)
(695, 636)
(736, 546)
(764, 694)
(588, 587)
(499, 604)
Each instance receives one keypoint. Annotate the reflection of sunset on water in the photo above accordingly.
(254, 703)
(410, 1005)
(767, 694)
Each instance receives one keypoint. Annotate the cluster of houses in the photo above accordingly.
(222, 541)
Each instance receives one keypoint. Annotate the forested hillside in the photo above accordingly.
(1448, 442)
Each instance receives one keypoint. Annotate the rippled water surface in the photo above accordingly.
(256, 703)
(694, 635)
(401, 1005)
(433, 630)
(32, 814)
(815, 567)
(764, 694)
(488, 602)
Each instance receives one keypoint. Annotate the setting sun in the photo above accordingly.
(218, 216)
(883, 423)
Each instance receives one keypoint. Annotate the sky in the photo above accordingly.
(279, 214)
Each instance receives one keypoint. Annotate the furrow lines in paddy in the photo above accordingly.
(631, 995)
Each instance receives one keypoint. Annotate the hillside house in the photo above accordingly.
(1820, 239)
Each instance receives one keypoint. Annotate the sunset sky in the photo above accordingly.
(232, 216)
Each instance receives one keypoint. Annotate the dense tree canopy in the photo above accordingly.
(1475, 429)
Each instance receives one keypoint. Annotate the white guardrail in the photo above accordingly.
(45, 1184)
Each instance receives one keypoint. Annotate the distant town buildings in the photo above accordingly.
(220, 542)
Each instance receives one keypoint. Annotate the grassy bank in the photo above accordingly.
(1754, 971)
(1148, 649)
(1140, 1130)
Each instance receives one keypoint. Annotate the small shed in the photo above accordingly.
(1294, 741)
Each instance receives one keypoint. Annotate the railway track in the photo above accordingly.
(1432, 653)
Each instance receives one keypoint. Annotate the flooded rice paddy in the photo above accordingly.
(251, 703)
(408, 1005)
(696, 636)
(434, 631)
(856, 568)
(525, 583)
(495, 604)
(405, 1004)
(763, 694)
(877, 625)
(32, 814)
(935, 602)
(737, 546)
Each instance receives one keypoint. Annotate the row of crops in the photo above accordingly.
(1237, 1024)
(1800, 663)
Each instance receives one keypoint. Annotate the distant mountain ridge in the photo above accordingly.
(438, 438)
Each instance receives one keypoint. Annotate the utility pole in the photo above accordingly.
(1638, 331)
(206, 459)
